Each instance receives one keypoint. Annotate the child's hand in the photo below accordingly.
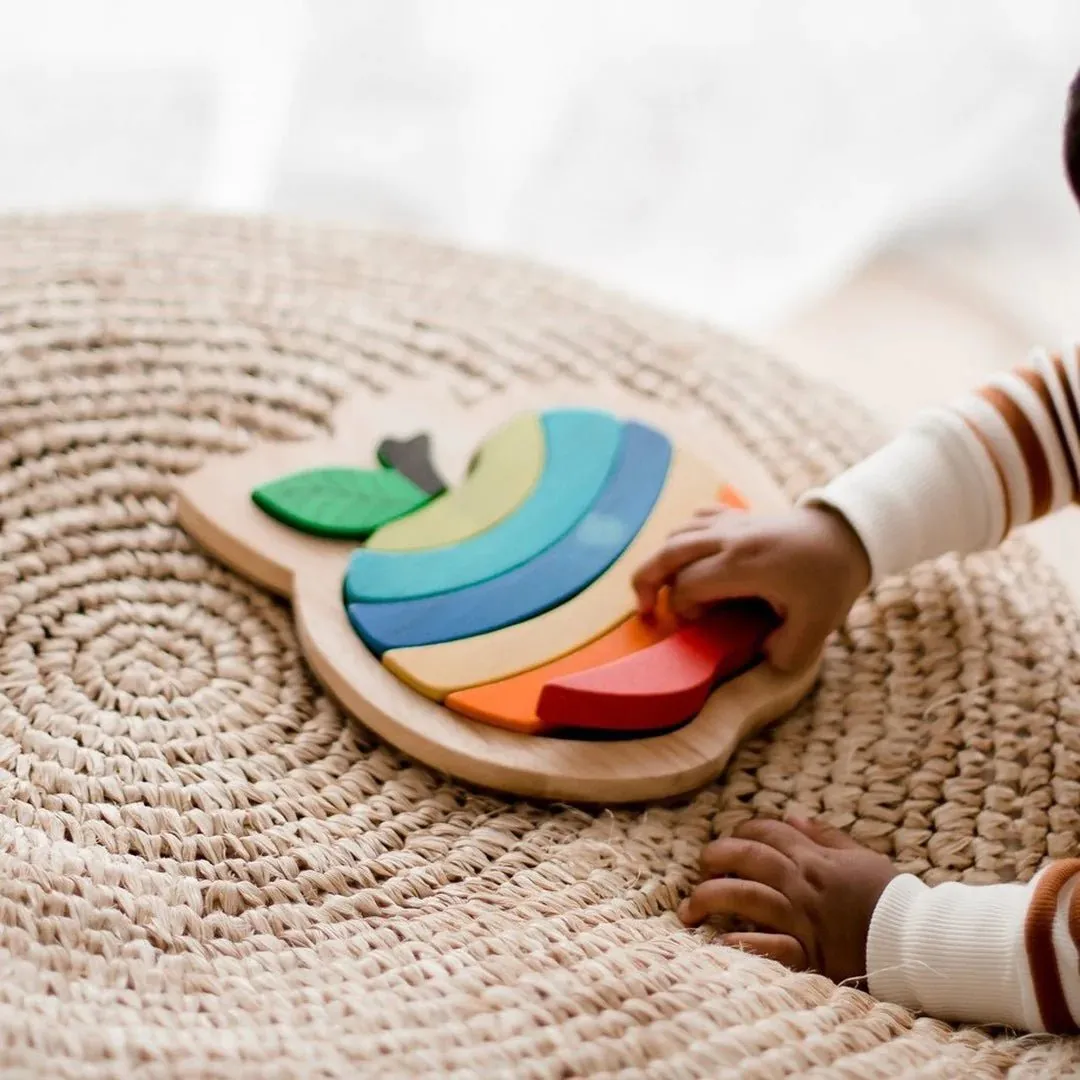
(808, 890)
(808, 564)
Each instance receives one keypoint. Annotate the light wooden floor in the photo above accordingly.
(912, 330)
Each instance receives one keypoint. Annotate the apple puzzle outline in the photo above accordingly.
(550, 497)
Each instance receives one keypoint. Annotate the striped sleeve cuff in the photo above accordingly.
(1029, 423)
(962, 477)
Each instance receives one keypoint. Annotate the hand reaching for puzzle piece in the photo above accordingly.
(806, 563)
(696, 690)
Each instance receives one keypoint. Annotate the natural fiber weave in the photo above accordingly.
(206, 870)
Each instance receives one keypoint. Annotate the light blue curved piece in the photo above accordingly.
(562, 571)
(581, 447)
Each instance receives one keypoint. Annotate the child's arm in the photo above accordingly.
(958, 480)
(983, 954)
(963, 476)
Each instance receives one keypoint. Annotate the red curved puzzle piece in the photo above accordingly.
(664, 684)
(512, 702)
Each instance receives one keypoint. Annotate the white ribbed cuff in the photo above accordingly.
(955, 952)
(930, 491)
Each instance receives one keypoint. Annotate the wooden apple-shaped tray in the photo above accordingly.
(460, 578)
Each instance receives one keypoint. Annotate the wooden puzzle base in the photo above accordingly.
(511, 618)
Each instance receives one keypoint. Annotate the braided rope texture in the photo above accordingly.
(207, 870)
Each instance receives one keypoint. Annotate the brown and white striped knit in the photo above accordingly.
(962, 476)
(959, 480)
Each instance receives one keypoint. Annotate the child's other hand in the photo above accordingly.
(807, 563)
(808, 890)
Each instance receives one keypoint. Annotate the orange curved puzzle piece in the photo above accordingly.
(730, 497)
(512, 703)
(664, 684)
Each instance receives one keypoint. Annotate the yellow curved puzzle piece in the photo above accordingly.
(508, 467)
(439, 670)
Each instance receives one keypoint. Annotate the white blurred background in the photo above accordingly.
(873, 189)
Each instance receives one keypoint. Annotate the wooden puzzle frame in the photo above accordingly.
(215, 507)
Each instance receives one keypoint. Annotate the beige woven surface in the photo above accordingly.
(206, 870)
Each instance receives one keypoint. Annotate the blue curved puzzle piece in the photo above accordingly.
(581, 446)
(544, 582)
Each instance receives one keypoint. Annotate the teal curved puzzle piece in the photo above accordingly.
(554, 576)
(581, 447)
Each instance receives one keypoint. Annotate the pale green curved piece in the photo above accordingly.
(507, 469)
(580, 449)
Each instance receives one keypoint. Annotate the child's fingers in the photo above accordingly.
(749, 901)
(749, 860)
(822, 834)
(656, 572)
(703, 518)
(705, 515)
(706, 581)
(688, 528)
(782, 948)
(780, 835)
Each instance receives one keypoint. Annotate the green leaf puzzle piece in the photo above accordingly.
(342, 503)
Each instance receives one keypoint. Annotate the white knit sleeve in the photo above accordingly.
(929, 491)
(960, 478)
(981, 954)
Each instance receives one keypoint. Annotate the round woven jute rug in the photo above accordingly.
(206, 869)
